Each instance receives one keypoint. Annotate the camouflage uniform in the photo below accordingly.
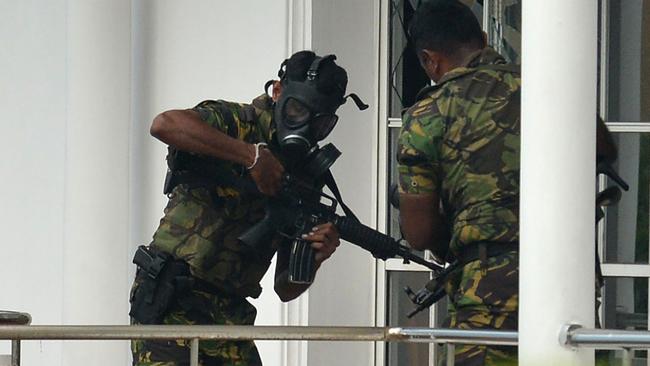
(461, 141)
(200, 226)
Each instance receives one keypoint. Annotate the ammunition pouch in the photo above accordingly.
(159, 280)
(200, 171)
(184, 168)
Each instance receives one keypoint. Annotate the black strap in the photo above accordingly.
(226, 114)
(282, 72)
(312, 73)
(267, 85)
(331, 184)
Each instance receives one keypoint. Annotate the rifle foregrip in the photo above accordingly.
(380, 245)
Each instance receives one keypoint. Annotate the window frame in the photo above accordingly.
(614, 270)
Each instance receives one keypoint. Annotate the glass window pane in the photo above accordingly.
(629, 60)
(504, 28)
(399, 305)
(625, 306)
(627, 223)
(625, 303)
(477, 9)
(406, 76)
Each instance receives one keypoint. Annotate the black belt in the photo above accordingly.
(190, 281)
(205, 286)
(485, 249)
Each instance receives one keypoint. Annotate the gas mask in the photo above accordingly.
(303, 115)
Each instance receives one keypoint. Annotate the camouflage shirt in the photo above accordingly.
(461, 141)
(201, 225)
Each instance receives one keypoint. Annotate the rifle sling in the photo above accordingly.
(331, 184)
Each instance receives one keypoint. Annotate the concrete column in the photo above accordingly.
(96, 174)
(557, 177)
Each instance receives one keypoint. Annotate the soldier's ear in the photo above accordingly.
(276, 91)
(430, 62)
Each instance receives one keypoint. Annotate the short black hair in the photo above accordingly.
(332, 79)
(443, 26)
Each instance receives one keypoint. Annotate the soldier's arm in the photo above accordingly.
(185, 130)
(422, 224)
(324, 240)
(421, 220)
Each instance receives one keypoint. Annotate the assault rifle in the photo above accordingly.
(298, 207)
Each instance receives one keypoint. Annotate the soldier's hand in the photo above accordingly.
(267, 172)
(325, 239)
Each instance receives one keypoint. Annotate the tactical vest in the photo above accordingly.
(208, 209)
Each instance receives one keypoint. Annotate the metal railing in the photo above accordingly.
(16, 333)
(609, 339)
(9, 318)
(571, 336)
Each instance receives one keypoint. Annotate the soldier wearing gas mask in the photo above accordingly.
(196, 271)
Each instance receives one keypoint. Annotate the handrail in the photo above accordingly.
(250, 332)
(571, 335)
(576, 336)
(208, 332)
(464, 336)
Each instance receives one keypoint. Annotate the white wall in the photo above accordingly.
(96, 217)
(33, 104)
(344, 292)
(80, 82)
(65, 98)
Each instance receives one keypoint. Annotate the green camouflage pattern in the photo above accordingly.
(247, 122)
(201, 308)
(461, 141)
(485, 299)
(201, 225)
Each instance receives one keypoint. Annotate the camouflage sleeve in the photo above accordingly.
(223, 116)
(418, 150)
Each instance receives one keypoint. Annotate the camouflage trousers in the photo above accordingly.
(201, 308)
(485, 297)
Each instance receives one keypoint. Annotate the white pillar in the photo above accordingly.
(96, 175)
(557, 177)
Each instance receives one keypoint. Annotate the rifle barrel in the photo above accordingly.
(380, 245)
